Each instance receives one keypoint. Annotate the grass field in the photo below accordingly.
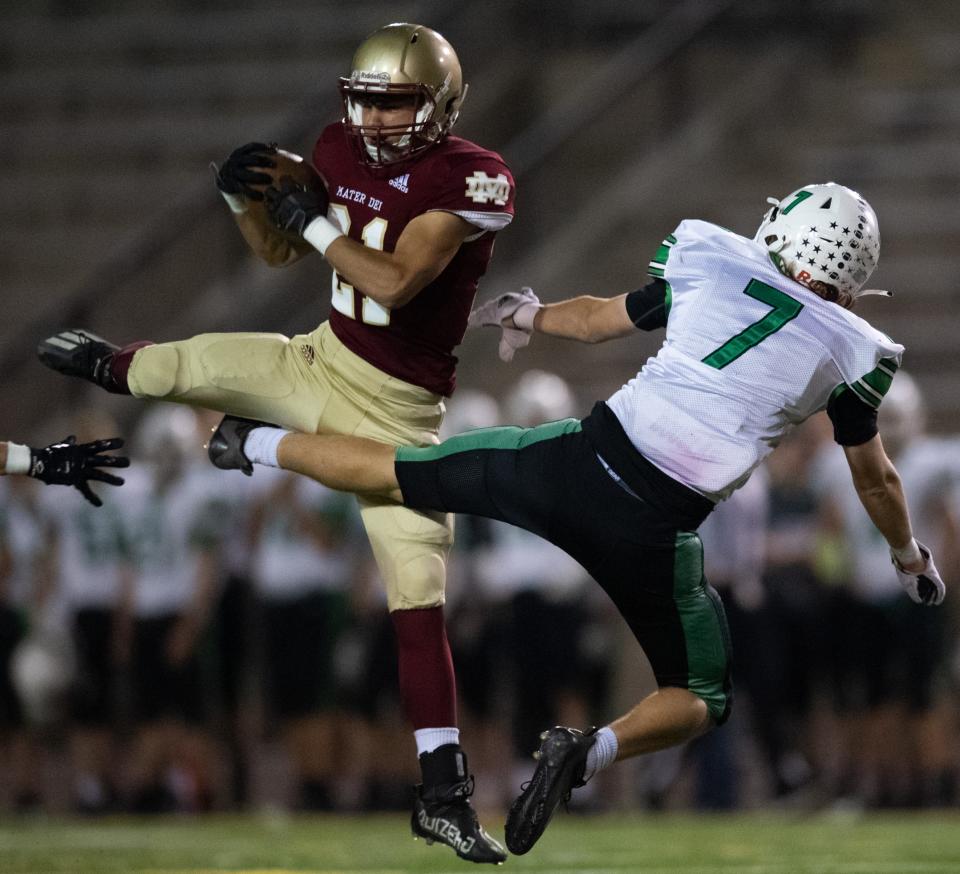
(895, 844)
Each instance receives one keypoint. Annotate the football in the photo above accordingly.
(287, 165)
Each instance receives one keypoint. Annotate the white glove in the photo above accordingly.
(520, 305)
(925, 586)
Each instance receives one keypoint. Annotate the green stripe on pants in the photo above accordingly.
(506, 437)
(704, 627)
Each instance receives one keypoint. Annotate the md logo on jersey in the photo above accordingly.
(401, 182)
(482, 189)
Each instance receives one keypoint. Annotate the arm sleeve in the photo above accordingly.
(479, 189)
(648, 307)
(854, 420)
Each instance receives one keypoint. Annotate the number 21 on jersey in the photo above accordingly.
(342, 296)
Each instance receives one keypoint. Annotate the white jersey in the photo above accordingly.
(748, 354)
(90, 548)
(169, 521)
(518, 561)
(307, 537)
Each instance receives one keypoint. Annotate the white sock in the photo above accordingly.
(603, 753)
(428, 739)
(261, 445)
(18, 458)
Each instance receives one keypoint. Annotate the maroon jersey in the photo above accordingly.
(414, 342)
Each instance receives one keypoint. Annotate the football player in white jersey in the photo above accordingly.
(65, 463)
(759, 336)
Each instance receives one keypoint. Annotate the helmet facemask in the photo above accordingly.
(825, 237)
(402, 61)
(384, 145)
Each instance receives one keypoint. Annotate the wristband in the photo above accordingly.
(909, 554)
(525, 314)
(236, 202)
(18, 458)
(320, 233)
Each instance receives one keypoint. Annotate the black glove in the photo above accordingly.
(236, 175)
(71, 464)
(292, 207)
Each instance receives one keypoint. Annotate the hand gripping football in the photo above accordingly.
(287, 165)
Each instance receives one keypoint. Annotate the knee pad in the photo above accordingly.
(153, 372)
(418, 582)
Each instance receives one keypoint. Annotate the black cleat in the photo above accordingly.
(79, 353)
(562, 759)
(448, 818)
(225, 446)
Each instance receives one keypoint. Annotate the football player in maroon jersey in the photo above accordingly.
(407, 222)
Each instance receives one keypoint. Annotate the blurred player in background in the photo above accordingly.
(897, 738)
(545, 590)
(303, 569)
(407, 221)
(24, 681)
(172, 549)
(36, 661)
(87, 560)
(759, 338)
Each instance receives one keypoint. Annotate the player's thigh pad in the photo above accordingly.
(705, 631)
(411, 549)
(259, 376)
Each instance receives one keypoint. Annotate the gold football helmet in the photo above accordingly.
(394, 62)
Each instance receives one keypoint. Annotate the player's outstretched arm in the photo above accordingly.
(880, 491)
(585, 318)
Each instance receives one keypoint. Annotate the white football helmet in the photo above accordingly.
(42, 670)
(468, 410)
(539, 397)
(902, 415)
(826, 233)
(167, 434)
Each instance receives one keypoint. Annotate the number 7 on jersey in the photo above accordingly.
(785, 309)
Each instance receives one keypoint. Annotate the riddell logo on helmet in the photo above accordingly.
(368, 77)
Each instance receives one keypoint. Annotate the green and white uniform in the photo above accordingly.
(748, 354)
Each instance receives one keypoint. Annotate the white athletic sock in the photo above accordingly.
(428, 739)
(261, 445)
(18, 458)
(603, 753)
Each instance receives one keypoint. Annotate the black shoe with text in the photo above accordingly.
(225, 446)
(447, 817)
(562, 759)
(79, 353)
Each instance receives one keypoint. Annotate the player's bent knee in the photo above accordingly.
(419, 583)
(717, 696)
(153, 373)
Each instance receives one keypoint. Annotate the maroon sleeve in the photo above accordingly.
(478, 187)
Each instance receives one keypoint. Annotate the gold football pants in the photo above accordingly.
(313, 383)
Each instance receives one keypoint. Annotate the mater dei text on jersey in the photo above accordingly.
(354, 196)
